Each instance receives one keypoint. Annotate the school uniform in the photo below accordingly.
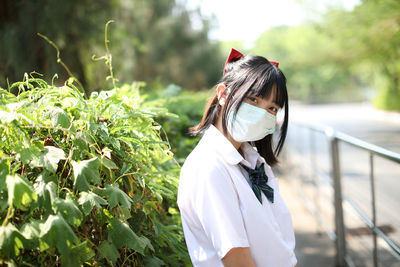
(220, 211)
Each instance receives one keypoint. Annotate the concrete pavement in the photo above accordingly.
(313, 247)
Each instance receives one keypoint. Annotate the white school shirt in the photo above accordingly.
(220, 211)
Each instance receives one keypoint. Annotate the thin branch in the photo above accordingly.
(59, 60)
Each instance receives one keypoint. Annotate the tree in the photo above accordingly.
(307, 57)
(370, 39)
(72, 25)
(164, 44)
(150, 41)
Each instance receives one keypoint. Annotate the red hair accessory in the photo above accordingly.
(233, 56)
(275, 63)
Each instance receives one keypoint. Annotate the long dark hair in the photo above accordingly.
(250, 75)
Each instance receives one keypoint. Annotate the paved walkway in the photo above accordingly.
(313, 248)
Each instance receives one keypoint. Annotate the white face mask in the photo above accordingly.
(251, 123)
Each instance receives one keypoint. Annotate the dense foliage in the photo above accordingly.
(369, 38)
(185, 110)
(85, 181)
(155, 40)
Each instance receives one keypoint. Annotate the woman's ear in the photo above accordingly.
(221, 94)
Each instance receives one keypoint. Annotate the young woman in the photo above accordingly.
(231, 209)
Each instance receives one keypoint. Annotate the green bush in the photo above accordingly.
(187, 109)
(388, 100)
(85, 181)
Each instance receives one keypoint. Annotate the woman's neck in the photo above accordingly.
(218, 125)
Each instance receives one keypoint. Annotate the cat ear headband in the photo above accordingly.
(235, 55)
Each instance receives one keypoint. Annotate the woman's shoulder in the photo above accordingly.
(203, 160)
(200, 170)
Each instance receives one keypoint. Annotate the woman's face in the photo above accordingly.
(265, 103)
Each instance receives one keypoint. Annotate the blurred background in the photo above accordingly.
(331, 51)
(341, 59)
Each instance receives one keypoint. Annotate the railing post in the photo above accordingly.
(314, 176)
(339, 219)
(373, 202)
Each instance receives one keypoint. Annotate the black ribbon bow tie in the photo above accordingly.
(259, 181)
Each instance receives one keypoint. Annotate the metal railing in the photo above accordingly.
(338, 235)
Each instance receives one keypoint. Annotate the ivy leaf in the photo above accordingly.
(115, 143)
(48, 158)
(88, 200)
(79, 143)
(116, 196)
(31, 232)
(69, 210)
(124, 213)
(153, 262)
(85, 172)
(4, 170)
(109, 164)
(78, 255)
(20, 192)
(28, 154)
(109, 251)
(122, 235)
(60, 118)
(56, 231)
(11, 241)
(100, 129)
(46, 192)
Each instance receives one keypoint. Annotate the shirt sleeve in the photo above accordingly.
(216, 204)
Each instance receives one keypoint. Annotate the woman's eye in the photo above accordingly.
(252, 99)
(273, 109)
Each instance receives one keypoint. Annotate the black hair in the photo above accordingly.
(249, 75)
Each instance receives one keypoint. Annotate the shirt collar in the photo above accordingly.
(251, 155)
(214, 139)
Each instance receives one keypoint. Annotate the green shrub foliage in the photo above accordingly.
(85, 181)
(187, 109)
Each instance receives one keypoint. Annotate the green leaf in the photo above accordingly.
(85, 172)
(11, 241)
(153, 262)
(79, 143)
(100, 129)
(69, 210)
(109, 163)
(88, 200)
(46, 192)
(59, 117)
(49, 158)
(116, 196)
(115, 143)
(4, 170)
(109, 251)
(31, 232)
(124, 213)
(28, 154)
(20, 192)
(77, 255)
(122, 235)
(56, 231)
(11, 263)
